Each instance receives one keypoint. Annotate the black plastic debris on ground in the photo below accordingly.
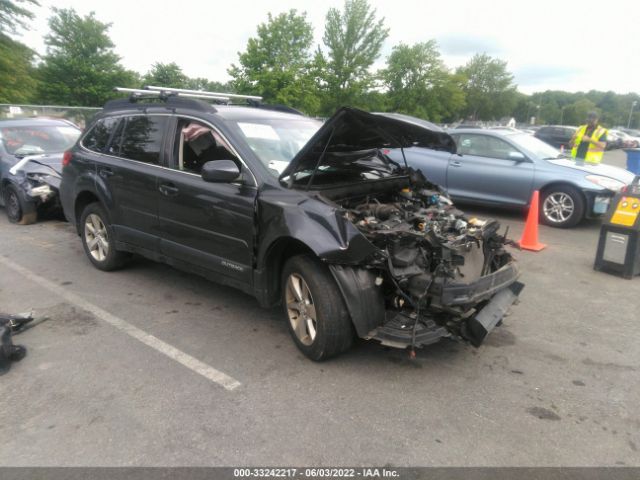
(10, 325)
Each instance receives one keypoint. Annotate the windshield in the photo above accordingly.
(534, 146)
(37, 140)
(277, 141)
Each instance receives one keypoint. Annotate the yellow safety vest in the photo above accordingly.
(594, 153)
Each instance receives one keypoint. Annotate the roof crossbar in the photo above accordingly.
(183, 91)
(140, 93)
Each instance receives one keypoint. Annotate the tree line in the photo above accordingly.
(282, 64)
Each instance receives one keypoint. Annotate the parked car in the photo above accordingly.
(313, 216)
(496, 168)
(31, 164)
(615, 139)
(558, 136)
(628, 140)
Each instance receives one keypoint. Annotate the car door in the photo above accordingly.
(129, 174)
(208, 225)
(432, 163)
(489, 170)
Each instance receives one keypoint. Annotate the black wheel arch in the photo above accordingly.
(363, 299)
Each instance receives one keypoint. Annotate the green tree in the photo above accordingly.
(13, 14)
(419, 84)
(489, 88)
(16, 72)
(576, 113)
(200, 83)
(80, 67)
(277, 64)
(17, 82)
(166, 75)
(353, 39)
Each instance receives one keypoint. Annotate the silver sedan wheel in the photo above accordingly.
(301, 309)
(558, 207)
(96, 237)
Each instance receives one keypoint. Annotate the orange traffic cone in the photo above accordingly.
(529, 240)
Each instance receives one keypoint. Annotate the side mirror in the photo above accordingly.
(517, 156)
(220, 171)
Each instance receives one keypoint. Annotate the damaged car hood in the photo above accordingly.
(45, 169)
(353, 130)
(45, 164)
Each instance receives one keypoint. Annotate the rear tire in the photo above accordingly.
(16, 208)
(98, 239)
(562, 206)
(316, 315)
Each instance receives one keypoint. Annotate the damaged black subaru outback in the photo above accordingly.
(316, 217)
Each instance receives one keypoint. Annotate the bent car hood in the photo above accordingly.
(46, 164)
(610, 171)
(352, 130)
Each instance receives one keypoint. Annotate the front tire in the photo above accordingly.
(98, 239)
(562, 207)
(316, 315)
(18, 211)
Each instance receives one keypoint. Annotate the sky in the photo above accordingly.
(557, 45)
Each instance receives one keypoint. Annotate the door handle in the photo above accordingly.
(168, 189)
(105, 172)
(456, 163)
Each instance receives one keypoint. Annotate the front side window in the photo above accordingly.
(26, 140)
(142, 138)
(198, 144)
(485, 146)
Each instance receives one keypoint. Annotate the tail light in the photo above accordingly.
(66, 158)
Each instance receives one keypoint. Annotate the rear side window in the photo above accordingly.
(99, 135)
(142, 138)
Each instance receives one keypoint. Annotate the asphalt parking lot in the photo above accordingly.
(129, 368)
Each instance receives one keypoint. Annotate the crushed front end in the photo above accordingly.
(411, 268)
(440, 273)
(39, 179)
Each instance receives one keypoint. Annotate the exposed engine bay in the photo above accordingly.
(418, 269)
(427, 247)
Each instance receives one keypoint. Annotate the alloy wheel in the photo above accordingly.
(301, 309)
(96, 237)
(558, 207)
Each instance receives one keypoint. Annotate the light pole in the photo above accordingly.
(633, 104)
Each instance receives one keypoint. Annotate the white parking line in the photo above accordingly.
(179, 356)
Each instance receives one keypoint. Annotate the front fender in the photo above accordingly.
(319, 226)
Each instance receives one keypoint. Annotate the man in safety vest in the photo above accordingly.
(589, 141)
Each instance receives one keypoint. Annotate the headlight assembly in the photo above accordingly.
(606, 182)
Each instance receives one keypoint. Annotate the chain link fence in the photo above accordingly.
(78, 115)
